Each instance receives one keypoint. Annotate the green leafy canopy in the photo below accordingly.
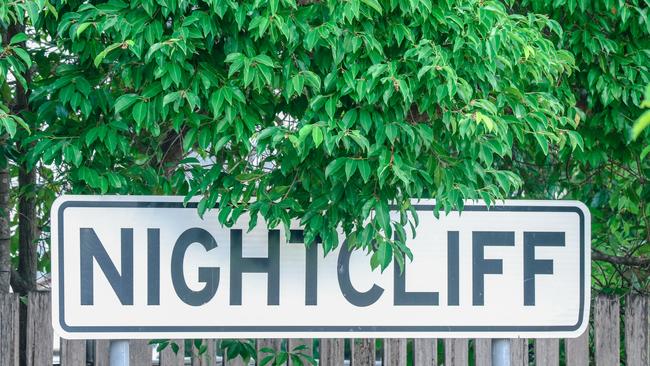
(331, 113)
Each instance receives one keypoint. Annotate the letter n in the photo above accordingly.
(93, 249)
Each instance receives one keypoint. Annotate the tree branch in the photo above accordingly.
(172, 151)
(18, 283)
(643, 262)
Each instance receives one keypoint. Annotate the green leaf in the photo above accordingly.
(361, 140)
(641, 124)
(100, 56)
(542, 141)
(317, 135)
(202, 207)
(249, 73)
(330, 107)
(576, 140)
(23, 56)
(274, 6)
(21, 122)
(33, 10)
(383, 217)
(205, 135)
(175, 72)
(18, 38)
(349, 119)
(298, 83)
(391, 132)
(365, 120)
(312, 79)
(140, 112)
(232, 57)
(82, 27)
(645, 152)
(188, 139)
(383, 256)
(264, 60)
(9, 125)
(373, 4)
(216, 102)
(305, 131)
(334, 166)
(364, 169)
(481, 118)
(171, 97)
(350, 168)
(72, 154)
(124, 102)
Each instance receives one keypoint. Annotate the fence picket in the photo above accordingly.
(456, 352)
(483, 352)
(9, 311)
(636, 330)
(295, 342)
(394, 353)
(607, 323)
(169, 358)
(547, 352)
(39, 337)
(238, 361)
(274, 344)
(577, 350)
(208, 358)
(363, 352)
(139, 352)
(519, 351)
(101, 348)
(425, 352)
(73, 353)
(331, 351)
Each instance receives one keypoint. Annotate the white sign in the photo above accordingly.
(149, 267)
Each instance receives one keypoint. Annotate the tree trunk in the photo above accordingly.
(27, 230)
(5, 222)
(5, 229)
(27, 220)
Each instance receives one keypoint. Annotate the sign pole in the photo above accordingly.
(500, 352)
(119, 353)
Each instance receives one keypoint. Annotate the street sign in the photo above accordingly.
(148, 267)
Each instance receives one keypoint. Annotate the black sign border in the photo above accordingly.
(307, 328)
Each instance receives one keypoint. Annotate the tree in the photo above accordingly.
(15, 80)
(611, 43)
(325, 112)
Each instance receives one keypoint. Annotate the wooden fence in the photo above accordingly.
(607, 343)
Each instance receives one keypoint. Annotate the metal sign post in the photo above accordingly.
(119, 353)
(501, 352)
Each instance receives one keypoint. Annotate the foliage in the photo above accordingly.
(611, 43)
(14, 61)
(244, 348)
(326, 112)
(18, 71)
(298, 355)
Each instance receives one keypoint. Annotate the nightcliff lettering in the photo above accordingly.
(92, 250)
